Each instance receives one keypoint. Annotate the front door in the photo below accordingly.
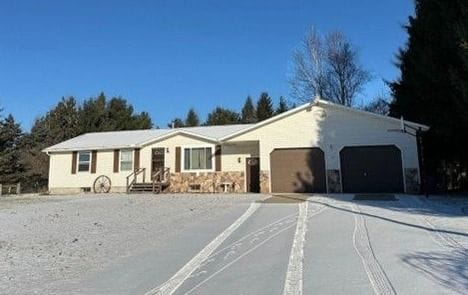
(253, 174)
(157, 160)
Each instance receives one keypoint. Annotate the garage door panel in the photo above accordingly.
(298, 170)
(371, 169)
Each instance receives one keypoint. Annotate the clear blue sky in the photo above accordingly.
(168, 56)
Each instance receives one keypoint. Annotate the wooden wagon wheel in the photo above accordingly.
(102, 184)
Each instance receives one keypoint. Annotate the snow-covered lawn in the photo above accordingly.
(49, 242)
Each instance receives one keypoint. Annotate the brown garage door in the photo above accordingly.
(300, 170)
(371, 169)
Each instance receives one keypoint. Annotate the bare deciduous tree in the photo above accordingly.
(327, 67)
(380, 105)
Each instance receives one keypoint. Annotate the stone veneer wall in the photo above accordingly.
(334, 181)
(412, 180)
(264, 182)
(209, 181)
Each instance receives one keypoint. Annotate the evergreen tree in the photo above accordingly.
(192, 118)
(264, 107)
(11, 167)
(222, 116)
(282, 106)
(248, 112)
(433, 87)
(93, 114)
(176, 123)
(100, 114)
(142, 121)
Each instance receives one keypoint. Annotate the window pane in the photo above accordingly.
(83, 161)
(126, 166)
(126, 161)
(187, 159)
(197, 158)
(208, 159)
(84, 156)
(126, 156)
(83, 167)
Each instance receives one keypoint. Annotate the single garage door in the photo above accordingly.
(299, 170)
(371, 169)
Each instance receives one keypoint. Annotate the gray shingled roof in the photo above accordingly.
(137, 138)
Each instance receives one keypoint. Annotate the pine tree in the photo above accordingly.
(264, 107)
(222, 116)
(93, 114)
(248, 112)
(100, 114)
(192, 118)
(282, 106)
(433, 87)
(11, 167)
(176, 123)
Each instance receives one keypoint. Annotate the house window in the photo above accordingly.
(198, 159)
(84, 160)
(126, 162)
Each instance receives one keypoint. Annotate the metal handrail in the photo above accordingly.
(135, 174)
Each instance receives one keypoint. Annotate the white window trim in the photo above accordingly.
(182, 162)
(132, 159)
(78, 161)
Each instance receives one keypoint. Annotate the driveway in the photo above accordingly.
(257, 244)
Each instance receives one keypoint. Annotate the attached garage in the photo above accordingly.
(298, 170)
(371, 169)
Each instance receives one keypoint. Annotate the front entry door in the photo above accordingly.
(253, 174)
(157, 160)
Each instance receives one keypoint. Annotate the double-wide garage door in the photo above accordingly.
(298, 170)
(364, 169)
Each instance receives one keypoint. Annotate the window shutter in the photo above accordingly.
(74, 161)
(177, 159)
(218, 158)
(116, 161)
(136, 159)
(93, 161)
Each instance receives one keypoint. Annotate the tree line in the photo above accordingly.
(251, 112)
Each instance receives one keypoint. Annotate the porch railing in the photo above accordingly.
(132, 178)
(161, 177)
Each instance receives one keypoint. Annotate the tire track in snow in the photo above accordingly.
(170, 286)
(443, 239)
(379, 280)
(294, 277)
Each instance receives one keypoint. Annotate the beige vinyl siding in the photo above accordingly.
(232, 152)
(330, 129)
(170, 145)
(61, 178)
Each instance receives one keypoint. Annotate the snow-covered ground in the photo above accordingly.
(130, 244)
(47, 243)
